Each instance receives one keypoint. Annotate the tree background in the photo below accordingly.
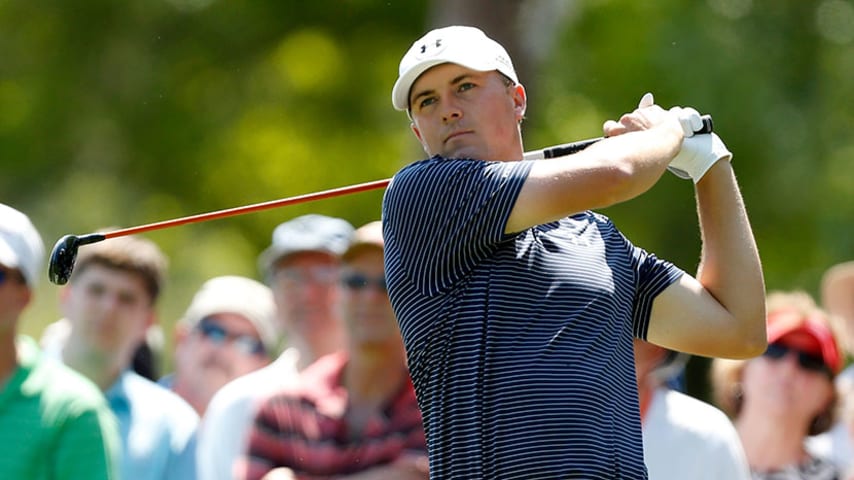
(125, 113)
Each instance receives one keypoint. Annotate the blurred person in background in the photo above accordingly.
(683, 437)
(352, 412)
(54, 423)
(837, 297)
(109, 302)
(146, 357)
(228, 330)
(779, 399)
(301, 267)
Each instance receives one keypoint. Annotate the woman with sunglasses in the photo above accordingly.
(785, 395)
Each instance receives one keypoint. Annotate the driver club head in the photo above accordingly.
(64, 253)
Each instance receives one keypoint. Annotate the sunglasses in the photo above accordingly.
(806, 361)
(357, 281)
(216, 334)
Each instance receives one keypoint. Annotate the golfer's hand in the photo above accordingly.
(646, 116)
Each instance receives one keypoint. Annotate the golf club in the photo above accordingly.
(64, 252)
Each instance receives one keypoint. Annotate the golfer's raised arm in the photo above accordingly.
(606, 173)
(721, 313)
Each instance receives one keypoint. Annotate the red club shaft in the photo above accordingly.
(230, 212)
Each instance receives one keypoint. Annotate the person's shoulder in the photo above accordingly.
(694, 414)
(433, 166)
(256, 384)
(58, 383)
(315, 383)
(325, 369)
(159, 401)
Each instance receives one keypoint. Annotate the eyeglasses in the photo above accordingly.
(216, 334)
(357, 281)
(317, 275)
(806, 361)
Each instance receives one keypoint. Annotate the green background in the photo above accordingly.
(125, 113)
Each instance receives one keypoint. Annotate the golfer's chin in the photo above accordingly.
(463, 151)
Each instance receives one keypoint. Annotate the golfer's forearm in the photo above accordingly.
(730, 267)
(609, 172)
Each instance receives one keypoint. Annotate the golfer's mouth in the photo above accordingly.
(458, 134)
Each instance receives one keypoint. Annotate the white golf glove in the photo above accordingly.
(689, 119)
(698, 154)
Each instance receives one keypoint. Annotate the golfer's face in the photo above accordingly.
(462, 113)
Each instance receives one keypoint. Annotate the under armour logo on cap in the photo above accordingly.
(434, 49)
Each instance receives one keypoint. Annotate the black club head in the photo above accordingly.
(64, 253)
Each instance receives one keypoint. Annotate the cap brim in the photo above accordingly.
(8, 257)
(400, 91)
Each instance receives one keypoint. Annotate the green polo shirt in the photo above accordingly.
(54, 423)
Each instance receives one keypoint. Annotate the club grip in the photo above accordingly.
(708, 125)
(575, 147)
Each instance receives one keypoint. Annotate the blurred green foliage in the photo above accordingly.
(125, 113)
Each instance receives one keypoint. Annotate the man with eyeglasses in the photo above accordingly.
(301, 267)
(228, 330)
(352, 412)
(52, 419)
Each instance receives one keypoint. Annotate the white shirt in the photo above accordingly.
(686, 438)
(231, 412)
(834, 445)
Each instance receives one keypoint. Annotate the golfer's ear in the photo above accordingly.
(520, 101)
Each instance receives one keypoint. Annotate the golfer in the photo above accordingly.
(518, 305)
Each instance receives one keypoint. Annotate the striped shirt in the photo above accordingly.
(305, 428)
(519, 346)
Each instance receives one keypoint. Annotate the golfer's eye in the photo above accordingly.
(466, 86)
(426, 102)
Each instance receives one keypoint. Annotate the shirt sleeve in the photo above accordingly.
(443, 216)
(653, 276)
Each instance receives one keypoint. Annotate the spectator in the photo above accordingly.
(54, 423)
(682, 437)
(301, 267)
(837, 294)
(146, 356)
(781, 397)
(228, 330)
(354, 411)
(110, 303)
(837, 297)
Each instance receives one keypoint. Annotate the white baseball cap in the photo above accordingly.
(21, 246)
(308, 233)
(239, 295)
(466, 46)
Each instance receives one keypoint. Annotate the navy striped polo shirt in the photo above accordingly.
(519, 346)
